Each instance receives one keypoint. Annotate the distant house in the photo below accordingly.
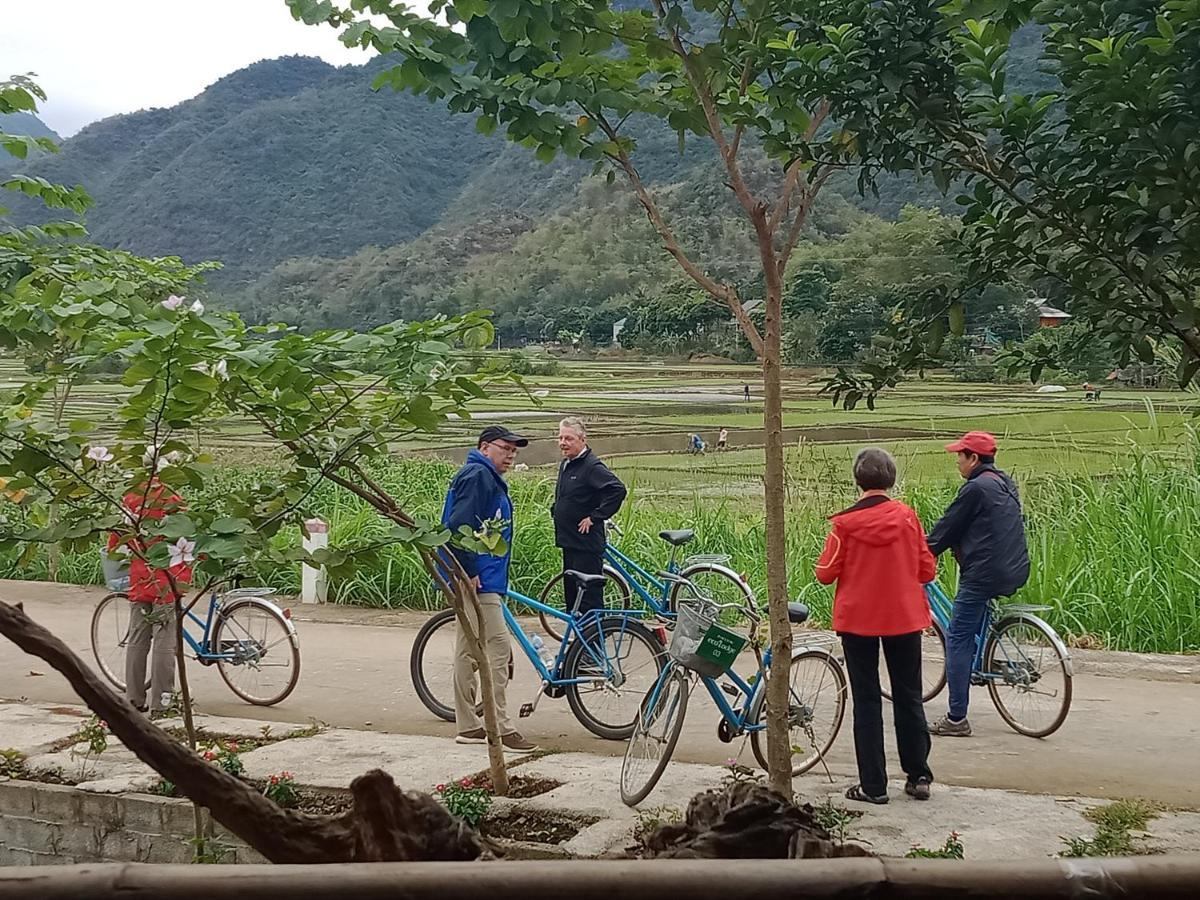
(618, 327)
(1048, 316)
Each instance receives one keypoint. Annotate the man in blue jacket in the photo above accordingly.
(479, 494)
(985, 529)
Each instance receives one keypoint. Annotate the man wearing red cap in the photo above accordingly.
(985, 530)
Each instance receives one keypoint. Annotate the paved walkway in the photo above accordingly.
(1127, 736)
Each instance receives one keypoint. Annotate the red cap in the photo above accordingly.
(978, 442)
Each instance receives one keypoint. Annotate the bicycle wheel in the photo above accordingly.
(1034, 693)
(110, 633)
(259, 651)
(716, 583)
(615, 585)
(431, 664)
(608, 708)
(933, 664)
(655, 734)
(817, 705)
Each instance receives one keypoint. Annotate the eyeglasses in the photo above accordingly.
(506, 449)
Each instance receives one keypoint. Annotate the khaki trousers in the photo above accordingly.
(495, 642)
(151, 632)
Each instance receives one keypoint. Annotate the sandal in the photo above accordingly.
(857, 793)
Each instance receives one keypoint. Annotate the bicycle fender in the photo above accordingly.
(1042, 623)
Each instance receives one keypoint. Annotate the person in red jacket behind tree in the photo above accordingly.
(877, 554)
(152, 611)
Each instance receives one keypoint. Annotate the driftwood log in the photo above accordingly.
(385, 824)
(745, 820)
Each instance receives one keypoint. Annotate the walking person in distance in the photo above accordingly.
(877, 554)
(586, 495)
(985, 529)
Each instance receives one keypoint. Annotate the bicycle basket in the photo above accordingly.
(115, 570)
(700, 643)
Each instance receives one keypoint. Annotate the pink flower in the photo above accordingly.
(466, 782)
(173, 303)
(441, 788)
(287, 775)
(274, 779)
(99, 454)
(233, 746)
(104, 725)
(209, 755)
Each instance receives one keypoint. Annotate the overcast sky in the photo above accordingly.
(95, 58)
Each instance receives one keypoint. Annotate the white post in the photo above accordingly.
(314, 583)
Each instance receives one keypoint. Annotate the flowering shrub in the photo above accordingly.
(226, 755)
(468, 800)
(281, 789)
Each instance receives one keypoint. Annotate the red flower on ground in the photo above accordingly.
(209, 755)
(104, 725)
(441, 788)
(466, 782)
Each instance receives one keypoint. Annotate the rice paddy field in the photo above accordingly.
(1111, 488)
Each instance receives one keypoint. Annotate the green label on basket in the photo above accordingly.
(721, 646)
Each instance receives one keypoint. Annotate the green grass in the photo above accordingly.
(1114, 822)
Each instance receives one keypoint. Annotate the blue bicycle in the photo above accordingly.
(702, 647)
(1020, 658)
(604, 665)
(249, 638)
(658, 594)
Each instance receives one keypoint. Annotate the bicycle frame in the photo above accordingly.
(634, 574)
(735, 719)
(942, 607)
(575, 628)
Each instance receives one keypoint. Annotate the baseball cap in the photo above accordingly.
(978, 442)
(500, 433)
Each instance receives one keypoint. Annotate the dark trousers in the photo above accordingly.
(966, 618)
(903, 656)
(589, 563)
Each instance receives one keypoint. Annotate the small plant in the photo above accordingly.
(210, 851)
(654, 818)
(952, 849)
(163, 788)
(281, 789)
(94, 735)
(1114, 822)
(12, 763)
(735, 773)
(836, 819)
(468, 800)
(226, 754)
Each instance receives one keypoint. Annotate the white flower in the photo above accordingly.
(182, 551)
(221, 370)
(173, 302)
(197, 307)
(202, 368)
(99, 454)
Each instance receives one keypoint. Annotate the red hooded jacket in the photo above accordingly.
(877, 554)
(147, 584)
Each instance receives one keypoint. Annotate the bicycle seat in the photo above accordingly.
(583, 578)
(797, 613)
(677, 538)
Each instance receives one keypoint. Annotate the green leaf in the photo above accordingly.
(958, 318)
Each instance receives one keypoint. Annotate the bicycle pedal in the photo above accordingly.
(526, 710)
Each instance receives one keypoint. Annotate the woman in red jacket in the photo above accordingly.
(877, 554)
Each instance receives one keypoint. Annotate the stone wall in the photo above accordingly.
(50, 824)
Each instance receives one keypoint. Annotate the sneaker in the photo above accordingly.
(517, 743)
(947, 727)
(918, 790)
(476, 736)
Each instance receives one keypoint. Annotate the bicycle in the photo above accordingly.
(1018, 656)
(626, 577)
(702, 648)
(240, 634)
(606, 661)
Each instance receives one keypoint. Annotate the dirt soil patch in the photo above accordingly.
(535, 826)
(520, 787)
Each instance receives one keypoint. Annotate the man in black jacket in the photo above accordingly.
(986, 531)
(587, 493)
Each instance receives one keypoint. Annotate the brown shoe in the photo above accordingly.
(476, 736)
(517, 743)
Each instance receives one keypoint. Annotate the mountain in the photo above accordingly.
(27, 124)
(329, 203)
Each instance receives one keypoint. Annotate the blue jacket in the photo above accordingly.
(478, 493)
(986, 530)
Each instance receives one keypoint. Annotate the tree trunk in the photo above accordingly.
(779, 750)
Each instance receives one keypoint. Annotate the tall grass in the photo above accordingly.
(1116, 559)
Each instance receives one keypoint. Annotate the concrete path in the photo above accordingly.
(1126, 736)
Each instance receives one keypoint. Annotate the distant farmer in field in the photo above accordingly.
(877, 554)
(746, 393)
(479, 494)
(723, 439)
(985, 529)
(152, 631)
(587, 494)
